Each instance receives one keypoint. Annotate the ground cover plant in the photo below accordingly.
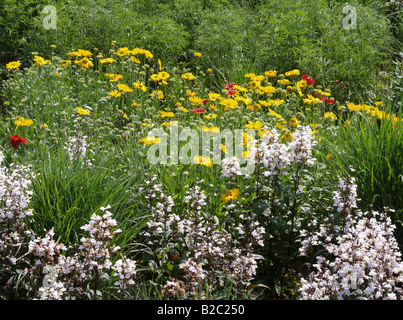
(128, 174)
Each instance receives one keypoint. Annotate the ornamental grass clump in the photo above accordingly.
(360, 257)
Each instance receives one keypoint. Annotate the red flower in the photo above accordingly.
(309, 80)
(198, 110)
(16, 140)
(205, 101)
(327, 100)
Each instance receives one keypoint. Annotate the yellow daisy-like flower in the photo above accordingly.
(140, 86)
(311, 100)
(23, 122)
(283, 81)
(115, 93)
(270, 74)
(107, 60)
(293, 122)
(208, 117)
(124, 87)
(294, 72)
(124, 115)
(232, 194)
(183, 109)
(13, 65)
(204, 161)
(329, 116)
(188, 76)
(164, 114)
(157, 93)
(121, 52)
(212, 129)
(214, 96)
(196, 101)
(135, 104)
(39, 61)
(84, 63)
(254, 125)
(149, 140)
(287, 137)
(114, 77)
(82, 111)
(197, 54)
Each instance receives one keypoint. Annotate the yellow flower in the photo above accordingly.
(287, 137)
(121, 52)
(39, 61)
(82, 111)
(228, 103)
(209, 70)
(115, 93)
(266, 90)
(124, 115)
(212, 129)
(198, 54)
(204, 161)
(134, 59)
(84, 63)
(168, 124)
(293, 122)
(294, 72)
(107, 60)
(140, 86)
(232, 194)
(149, 140)
(124, 87)
(254, 125)
(329, 155)
(188, 76)
(312, 100)
(196, 101)
(275, 114)
(223, 149)
(330, 116)
(13, 65)
(270, 74)
(183, 109)
(66, 63)
(283, 81)
(135, 104)
(379, 103)
(165, 114)
(214, 96)
(159, 94)
(113, 77)
(23, 122)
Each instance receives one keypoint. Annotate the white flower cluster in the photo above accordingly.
(345, 199)
(125, 271)
(273, 154)
(46, 249)
(277, 157)
(231, 167)
(77, 149)
(361, 258)
(301, 146)
(211, 255)
(92, 260)
(15, 194)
